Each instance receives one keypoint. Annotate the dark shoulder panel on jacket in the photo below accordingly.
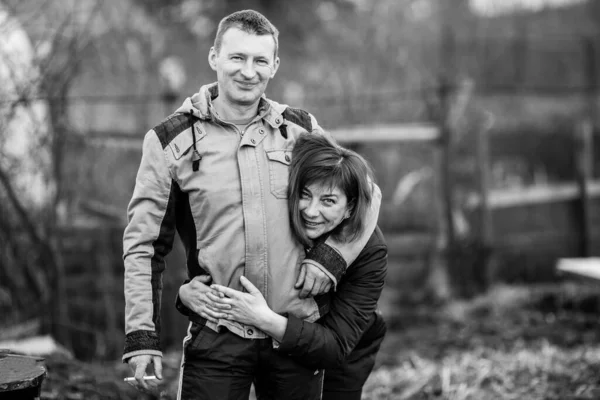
(172, 126)
(298, 117)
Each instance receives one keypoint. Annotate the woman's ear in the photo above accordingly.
(349, 210)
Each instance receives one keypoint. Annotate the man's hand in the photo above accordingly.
(312, 280)
(247, 308)
(138, 365)
(193, 295)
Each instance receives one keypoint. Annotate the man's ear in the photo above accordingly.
(275, 67)
(212, 58)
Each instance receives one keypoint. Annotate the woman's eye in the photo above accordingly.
(304, 195)
(329, 202)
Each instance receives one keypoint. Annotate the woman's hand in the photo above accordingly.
(247, 308)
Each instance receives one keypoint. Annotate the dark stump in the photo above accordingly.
(21, 377)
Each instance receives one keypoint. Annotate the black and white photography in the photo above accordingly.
(299, 200)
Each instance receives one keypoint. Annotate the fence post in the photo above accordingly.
(439, 281)
(483, 182)
(584, 156)
(584, 146)
(446, 163)
(445, 89)
(107, 285)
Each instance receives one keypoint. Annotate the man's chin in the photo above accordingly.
(247, 100)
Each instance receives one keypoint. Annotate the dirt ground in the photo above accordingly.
(514, 342)
(535, 342)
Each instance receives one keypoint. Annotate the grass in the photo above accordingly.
(514, 342)
(534, 342)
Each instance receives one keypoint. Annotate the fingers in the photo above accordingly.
(204, 279)
(324, 287)
(210, 314)
(307, 288)
(157, 361)
(317, 288)
(216, 307)
(301, 277)
(229, 292)
(219, 303)
(248, 285)
(140, 371)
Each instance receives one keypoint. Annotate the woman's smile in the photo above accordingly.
(311, 223)
(322, 208)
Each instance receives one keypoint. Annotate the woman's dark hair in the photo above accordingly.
(317, 159)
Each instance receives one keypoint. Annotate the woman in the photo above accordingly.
(329, 193)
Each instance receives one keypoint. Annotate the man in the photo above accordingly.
(216, 171)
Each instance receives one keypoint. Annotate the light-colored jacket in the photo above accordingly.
(225, 193)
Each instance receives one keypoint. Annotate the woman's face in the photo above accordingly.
(322, 208)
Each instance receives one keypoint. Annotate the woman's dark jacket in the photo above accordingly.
(352, 323)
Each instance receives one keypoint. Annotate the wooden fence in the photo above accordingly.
(497, 216)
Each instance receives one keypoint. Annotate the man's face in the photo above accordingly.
(244, 66)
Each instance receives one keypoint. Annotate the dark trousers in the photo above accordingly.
(353, 395)
(346, 381)
(223, 366)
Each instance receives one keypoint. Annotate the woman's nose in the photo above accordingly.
(311, 209)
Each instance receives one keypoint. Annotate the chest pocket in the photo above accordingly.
(279, 162)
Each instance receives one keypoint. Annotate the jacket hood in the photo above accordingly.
(199, 104)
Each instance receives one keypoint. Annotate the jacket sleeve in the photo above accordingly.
(327, 342)
(333, 257)
(147, 239)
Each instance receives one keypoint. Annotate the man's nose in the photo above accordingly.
(248, 70)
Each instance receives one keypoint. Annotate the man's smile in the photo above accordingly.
(246, 85)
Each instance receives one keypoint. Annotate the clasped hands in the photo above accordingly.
(218, 302)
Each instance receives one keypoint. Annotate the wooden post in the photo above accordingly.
(445, 89)
(584, 146)
(446, 161)
(106, 340)
(438, 278)
(584, 156)
(483, 182)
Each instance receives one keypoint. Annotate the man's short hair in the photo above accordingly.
(249, 21)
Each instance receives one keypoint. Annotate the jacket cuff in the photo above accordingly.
(141, 342)
(127, 356)
(292, 334)
(329, 259)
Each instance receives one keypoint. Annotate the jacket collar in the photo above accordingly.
(200, 105)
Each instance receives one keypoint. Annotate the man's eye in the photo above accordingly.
(262, 63)
(236, 58)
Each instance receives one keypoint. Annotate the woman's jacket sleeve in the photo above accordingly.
(326, 343)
